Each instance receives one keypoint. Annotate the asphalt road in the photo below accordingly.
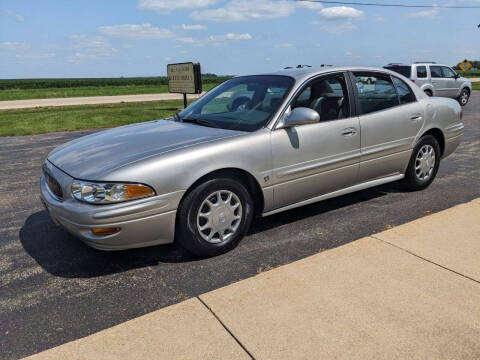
(54, 289)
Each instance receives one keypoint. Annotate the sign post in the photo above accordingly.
(184, 78)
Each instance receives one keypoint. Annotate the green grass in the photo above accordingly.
(68, 118)
(469, 74)
(23, 94)
(476, 86)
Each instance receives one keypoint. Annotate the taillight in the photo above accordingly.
(413, 80)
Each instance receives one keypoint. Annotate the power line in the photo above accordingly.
(391, 5)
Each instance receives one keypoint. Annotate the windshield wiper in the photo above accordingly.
(199, 122)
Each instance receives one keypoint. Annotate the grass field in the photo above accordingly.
(68, 118)
(476, 86)
(24, 94)
(470, 74)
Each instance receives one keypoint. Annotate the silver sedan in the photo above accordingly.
(253, 146)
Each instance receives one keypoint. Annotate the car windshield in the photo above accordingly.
(243, 103)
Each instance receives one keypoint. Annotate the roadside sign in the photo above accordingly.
(184, 78)
(465, 65)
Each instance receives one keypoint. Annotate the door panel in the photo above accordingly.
(452, 84)
(440, 84)
(387, 139)
(315, 159)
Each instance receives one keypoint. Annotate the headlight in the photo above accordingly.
(107, 193)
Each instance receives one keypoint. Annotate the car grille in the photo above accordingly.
(53, 185)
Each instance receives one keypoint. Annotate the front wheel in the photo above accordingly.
(423, 165)
(464, 96)
(214, 217)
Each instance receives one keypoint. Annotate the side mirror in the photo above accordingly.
(456, 76)
(300, 116)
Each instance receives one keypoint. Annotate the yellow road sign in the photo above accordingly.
(465, 65)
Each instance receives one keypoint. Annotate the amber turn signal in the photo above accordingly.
(135, 191)
(105, 231)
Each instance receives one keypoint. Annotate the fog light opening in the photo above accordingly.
(105, 231)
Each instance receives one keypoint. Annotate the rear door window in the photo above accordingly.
(436, 71)
(375, 91)
(421, 71)
(405, 93)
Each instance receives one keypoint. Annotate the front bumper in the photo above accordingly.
(144, 222)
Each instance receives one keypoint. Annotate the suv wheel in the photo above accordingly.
(214, 217)
(429, 92)
(423, 165)
(464, 96)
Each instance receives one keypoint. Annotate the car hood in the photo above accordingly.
(93, 156)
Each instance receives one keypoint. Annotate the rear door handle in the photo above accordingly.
(349, 131)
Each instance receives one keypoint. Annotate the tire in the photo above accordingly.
(464, 96)
(193, 212)
(428, 92)
(413, 177)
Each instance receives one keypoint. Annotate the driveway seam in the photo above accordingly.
(226, 328)
(425, 259)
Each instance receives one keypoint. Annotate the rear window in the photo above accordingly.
(404, 70)
(421, 71)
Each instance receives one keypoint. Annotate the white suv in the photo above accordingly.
(436, 80)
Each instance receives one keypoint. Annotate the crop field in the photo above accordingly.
(22, 89)
(68, 118)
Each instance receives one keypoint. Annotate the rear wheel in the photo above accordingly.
(464, 96)
(214, 217)
(424, 163)
(428, 92)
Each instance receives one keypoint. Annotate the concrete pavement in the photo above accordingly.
(89, 100)
(409, 292)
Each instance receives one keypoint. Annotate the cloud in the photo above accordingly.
(18, 17)
(186, 40)
(90, 48)
(167, 6)
(310, 5)
(425, 14)
(340, 13)
(246, 10)
(284, 45)
(338, 28)
(230, 36)
(192, 27)
(13, 46)
(23, 57)
(138, 32)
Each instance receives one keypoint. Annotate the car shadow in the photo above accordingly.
(318, 208)
(61, 254)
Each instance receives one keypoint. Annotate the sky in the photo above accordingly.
(112, 38)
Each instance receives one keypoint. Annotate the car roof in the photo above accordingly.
(301, 74)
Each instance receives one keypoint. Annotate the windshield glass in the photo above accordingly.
(244, 103)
